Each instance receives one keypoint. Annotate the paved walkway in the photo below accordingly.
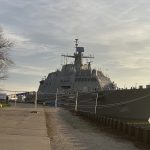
(22, 130)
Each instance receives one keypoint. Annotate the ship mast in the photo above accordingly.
(78, 55)
(76, 44)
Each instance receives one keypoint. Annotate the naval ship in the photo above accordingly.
(111, 101)
(77, 76)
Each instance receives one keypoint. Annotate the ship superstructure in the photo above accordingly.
(77, 76)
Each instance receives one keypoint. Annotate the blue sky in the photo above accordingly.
(117, 33)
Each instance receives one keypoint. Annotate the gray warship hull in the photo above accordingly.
(128, 104)
(122, 104)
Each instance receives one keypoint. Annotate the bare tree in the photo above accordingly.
(5, 60)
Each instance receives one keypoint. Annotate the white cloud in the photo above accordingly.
(28, 70)
(125, 35)
(14, 37)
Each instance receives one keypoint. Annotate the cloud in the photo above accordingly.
(117, 32)
(14, 37)
(28, 70)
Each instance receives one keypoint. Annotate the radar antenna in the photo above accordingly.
(76, 43)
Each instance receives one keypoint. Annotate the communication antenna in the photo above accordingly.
(66, 60)
(76, 43)
(61, 61)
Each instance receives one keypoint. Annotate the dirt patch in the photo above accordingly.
(50, 129)
(57, 132)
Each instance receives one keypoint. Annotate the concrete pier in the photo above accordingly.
(20, 129)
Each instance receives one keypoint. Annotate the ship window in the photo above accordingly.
(65, 87)
(93, 79)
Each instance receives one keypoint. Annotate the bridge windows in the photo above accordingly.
(85, 79)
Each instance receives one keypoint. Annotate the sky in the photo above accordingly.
(116, 32)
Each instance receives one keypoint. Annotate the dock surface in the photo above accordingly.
(22, 129)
